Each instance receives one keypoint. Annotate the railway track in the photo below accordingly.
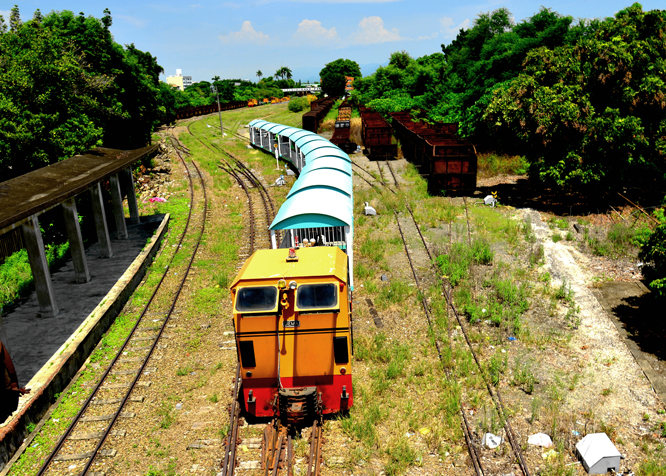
(405, 224)
(275, 447)
(90, 435)
(259, 218)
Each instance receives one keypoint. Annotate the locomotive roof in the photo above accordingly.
(316, 261)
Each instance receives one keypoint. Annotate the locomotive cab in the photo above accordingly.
(293, 332)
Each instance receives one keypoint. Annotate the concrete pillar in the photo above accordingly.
(128, 180)
(32, 239)
(118, 212)
(105, 250)
(76, 247)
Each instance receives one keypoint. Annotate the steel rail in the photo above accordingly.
(49, 459)
(166, 320)
(229, 462)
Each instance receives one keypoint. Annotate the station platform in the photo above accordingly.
(32, 340)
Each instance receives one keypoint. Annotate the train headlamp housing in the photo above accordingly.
(293, 285)
(282, 284)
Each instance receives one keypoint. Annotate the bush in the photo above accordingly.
(298, 104)
(653, 253)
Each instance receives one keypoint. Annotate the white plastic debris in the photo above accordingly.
(540, 439)
(491, 441)
(490, 200)
(368, 210)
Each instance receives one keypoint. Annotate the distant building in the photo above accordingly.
(179, 81)
(349, 86)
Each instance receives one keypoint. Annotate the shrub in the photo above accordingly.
(653, 252)
(298, 104)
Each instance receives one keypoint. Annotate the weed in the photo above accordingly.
(569, 236)
(523, 375)
(536, 255)
(535, 406)
(182, 371)
(400, 455)
(556, 237)
(165, 414)
(497, 366)
(646, 417)
(606, 391)
(213, 398)
(545, 277)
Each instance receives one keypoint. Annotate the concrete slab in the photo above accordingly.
(638, 317)
(33, 340)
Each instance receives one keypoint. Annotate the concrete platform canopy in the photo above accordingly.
(24, 198)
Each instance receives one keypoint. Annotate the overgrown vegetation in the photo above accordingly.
(569, 96)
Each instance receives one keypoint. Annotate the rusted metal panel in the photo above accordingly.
(49, 186)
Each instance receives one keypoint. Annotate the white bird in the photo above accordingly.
(369, 210)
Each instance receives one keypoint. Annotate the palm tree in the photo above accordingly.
(259, 74)
(286, 72)
(216, 78)
(280, 73)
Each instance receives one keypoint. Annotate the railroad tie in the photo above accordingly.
(199, 444)
(88, 455)
(114, 386)
(96, 435)
(112, 401)
(108, 417)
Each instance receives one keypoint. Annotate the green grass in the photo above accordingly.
(490, 165)
(16, 276)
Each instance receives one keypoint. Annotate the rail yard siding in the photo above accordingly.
(56, 374)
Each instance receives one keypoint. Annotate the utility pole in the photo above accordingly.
(213, 89)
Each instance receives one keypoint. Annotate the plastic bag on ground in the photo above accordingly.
(540, 439)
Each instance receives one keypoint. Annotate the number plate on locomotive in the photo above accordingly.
(292, 324)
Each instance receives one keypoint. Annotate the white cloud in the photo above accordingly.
(247, 33)
(371, 30)
(451, 31)
(198, 5)
(131, 20)
(311, 31)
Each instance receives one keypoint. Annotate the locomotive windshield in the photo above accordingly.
(257, 299)
(317, 296)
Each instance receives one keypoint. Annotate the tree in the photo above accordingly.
(47, 100)
(15, 19)
(333, 76)
(591, 114)
(400, 59)
(259, 74)
(37, 17)
(215, 78)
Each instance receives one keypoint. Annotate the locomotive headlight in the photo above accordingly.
(282, 284)
(343, 370)
(293, 285)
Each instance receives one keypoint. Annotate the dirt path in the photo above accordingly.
(613, 386)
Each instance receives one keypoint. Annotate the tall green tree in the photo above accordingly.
(593, 113)
(47, 100)
(333, 76)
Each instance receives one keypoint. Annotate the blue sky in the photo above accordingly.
(236, 38)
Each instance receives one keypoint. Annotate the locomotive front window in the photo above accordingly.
(257, 299)
(317, 296)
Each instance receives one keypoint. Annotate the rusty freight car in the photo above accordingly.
(448, 162)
